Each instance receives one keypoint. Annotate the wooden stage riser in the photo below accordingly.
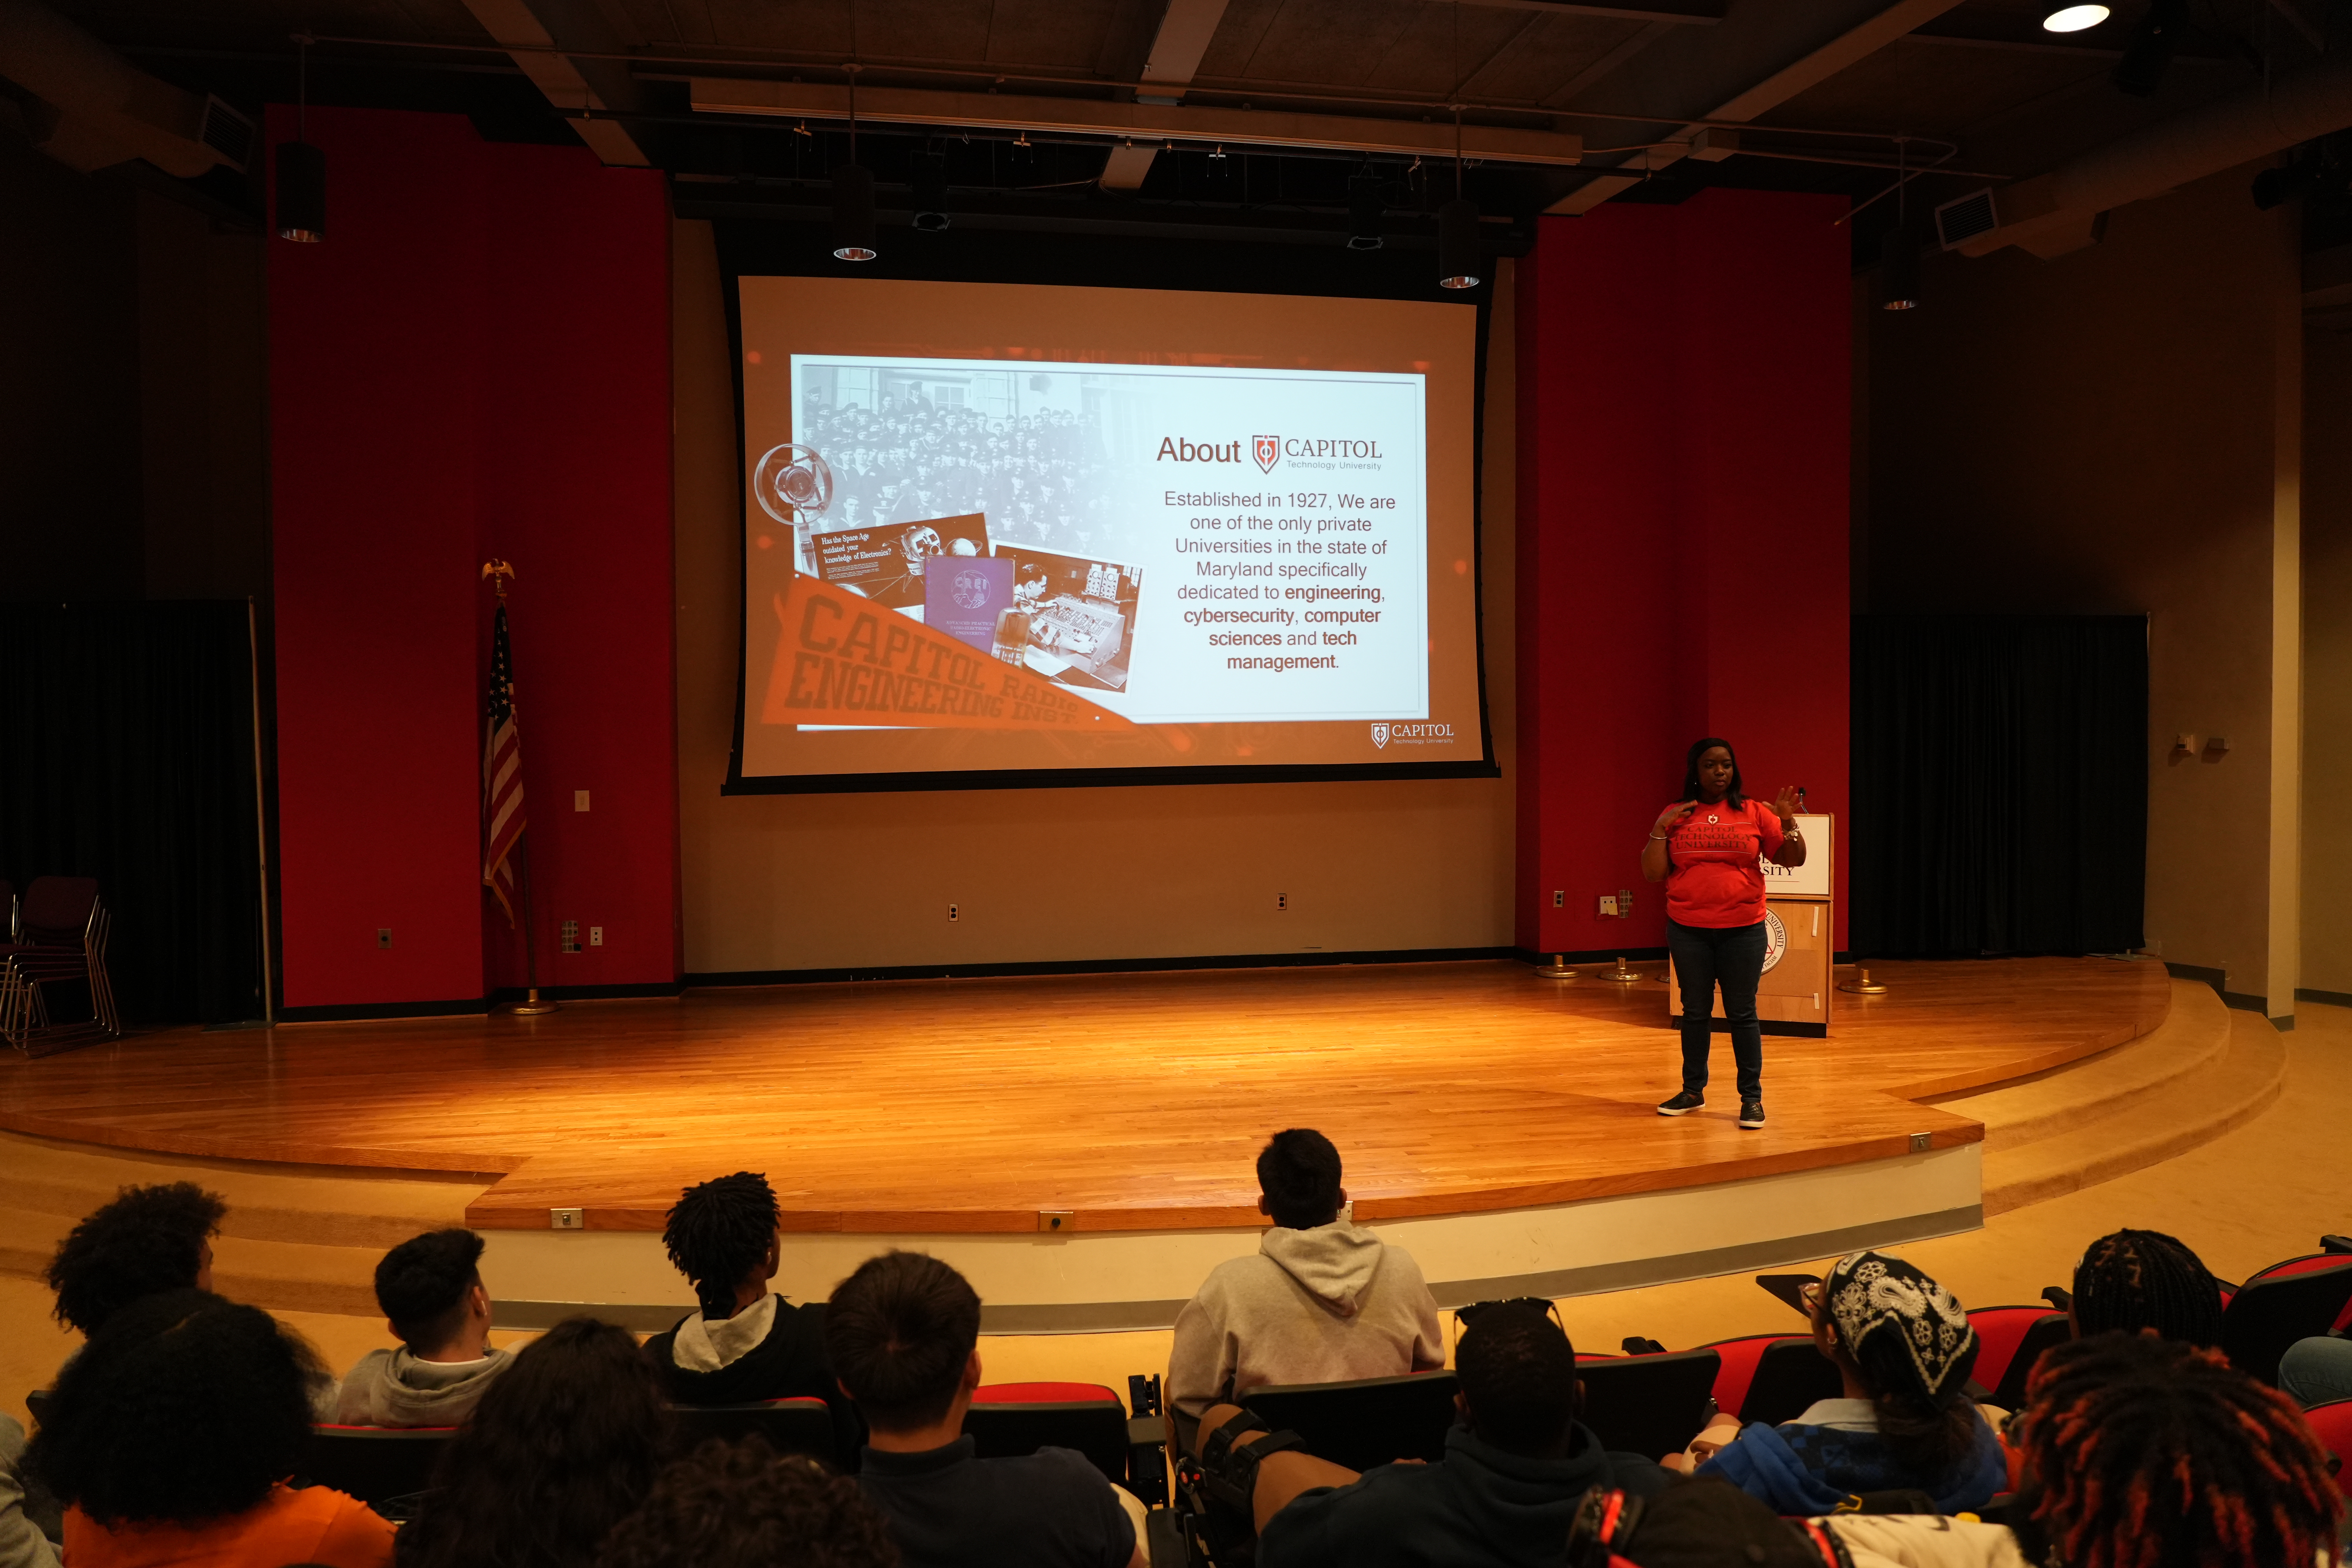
(1092, 1281)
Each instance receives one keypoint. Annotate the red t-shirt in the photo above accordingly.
(1716, 856)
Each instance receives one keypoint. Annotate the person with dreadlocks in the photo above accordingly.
(745, 1342)
(1903, 1347)
(2144, 1280)
(2143, 1452)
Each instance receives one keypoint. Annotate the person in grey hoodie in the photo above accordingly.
(1322, 1301)
(430, 1289)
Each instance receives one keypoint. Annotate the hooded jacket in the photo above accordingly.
(1482, 1506)
(394, 1388)
(1812, 1465)
(769, 1349)
(1326, 1305)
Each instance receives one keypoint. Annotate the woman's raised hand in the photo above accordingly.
(1785, 803)
(1675, 815)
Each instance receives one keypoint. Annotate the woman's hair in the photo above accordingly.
(147, 1241)
(182, 1408)
(718, 1233)
(564, 1444)
(1910, 1340)
(2142, 1452)
(740, 1506)
(1690, 770)
(2135, 1279)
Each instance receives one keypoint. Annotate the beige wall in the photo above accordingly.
(2107, 433)
(2328, 657)
(864, 880)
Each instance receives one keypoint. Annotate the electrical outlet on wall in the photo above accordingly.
(1608, 907)
(595, 936)
(952, 911)
(383, 936)
(1282, 900)
(1560, 898)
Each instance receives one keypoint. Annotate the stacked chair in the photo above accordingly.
(58, 932)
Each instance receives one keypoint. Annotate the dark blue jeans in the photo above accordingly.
(1733, 958)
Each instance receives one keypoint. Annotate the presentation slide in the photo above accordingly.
(1012, 529)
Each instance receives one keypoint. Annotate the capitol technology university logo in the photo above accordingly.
(1267, 450)
(1379, 736)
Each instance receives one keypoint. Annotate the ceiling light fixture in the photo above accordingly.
(853, 196)
(301, 168)
(1457, 220)
(1365, 204)
(2074, 18)
(1898, 272)
(931, 184)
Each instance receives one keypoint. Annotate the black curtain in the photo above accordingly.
(2000, 785)
(128, 756)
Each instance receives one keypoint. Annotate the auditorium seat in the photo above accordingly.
(2332, 1424)
(1649, 1405)
(1009, 1419)
(1365, 1423)
(1773, 1378)
(2009, 1340)
(2297, 1298)
(790, 1425)
(374, 1464)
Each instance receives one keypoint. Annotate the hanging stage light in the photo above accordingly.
(853, 196)
(1457, 244)
(1898, 270)
(301, 168)
(2147, 53)
(931, 192)
(1365, 206)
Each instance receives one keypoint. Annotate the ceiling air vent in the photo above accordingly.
(228, 134)
(1960, 221)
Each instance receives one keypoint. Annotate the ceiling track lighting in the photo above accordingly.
(853, 196)
(301, 168)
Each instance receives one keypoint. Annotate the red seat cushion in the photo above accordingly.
(2332, 1424)
(1999, 1330)
(1739, 1368)
(1042, 1394)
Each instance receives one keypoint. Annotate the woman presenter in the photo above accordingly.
(1709, 848)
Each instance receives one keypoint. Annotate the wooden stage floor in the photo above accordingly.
(1137, 1101)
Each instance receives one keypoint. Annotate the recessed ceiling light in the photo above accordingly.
(2073, 18)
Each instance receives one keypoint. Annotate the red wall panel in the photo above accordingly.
(1682, 405)
(474, 362)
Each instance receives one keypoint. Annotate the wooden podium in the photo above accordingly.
(1801, 942)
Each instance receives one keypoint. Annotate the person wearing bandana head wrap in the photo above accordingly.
(1905, 1349)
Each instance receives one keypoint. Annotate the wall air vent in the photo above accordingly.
(228, 134)
(1962, 219)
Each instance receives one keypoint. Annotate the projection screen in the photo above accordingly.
(1005, 533)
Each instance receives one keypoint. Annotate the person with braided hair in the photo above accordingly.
(2143, 1452)
(2135, 1280)
(745, 1342)
(1903, 1346)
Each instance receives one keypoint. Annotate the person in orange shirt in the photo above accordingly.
(170, 1439)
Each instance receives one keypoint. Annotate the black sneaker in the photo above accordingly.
(1682, 1104)
(1751, 1113)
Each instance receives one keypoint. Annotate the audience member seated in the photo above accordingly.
(903, 1332)
(430, 1289)
(1903, 1347)
(1514, 1468)
(2317, 1370)
(21, 1544)
(563, 1446)
(170, 1439)
(2144, 1279)
(740, 1506)
(1322, 1301)
(2143, 1452)
(746, 1343)
(147, 1241)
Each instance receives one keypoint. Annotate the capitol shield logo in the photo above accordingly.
(1266, 449)
(1379, 736)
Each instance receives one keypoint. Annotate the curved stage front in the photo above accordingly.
(1082, 1146)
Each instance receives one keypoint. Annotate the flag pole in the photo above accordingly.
(530, 1007)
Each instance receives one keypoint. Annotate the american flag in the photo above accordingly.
(502, 813)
